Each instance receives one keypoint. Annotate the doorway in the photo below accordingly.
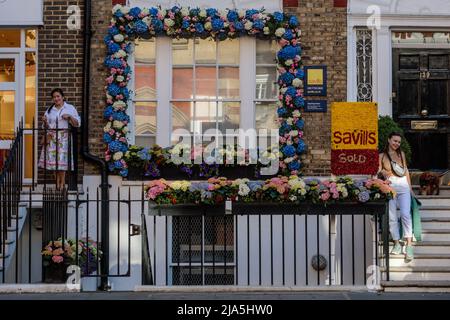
(421, 104)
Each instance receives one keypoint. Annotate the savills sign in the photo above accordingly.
(354, 138)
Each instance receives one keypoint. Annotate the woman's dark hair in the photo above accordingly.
(399, 150)
(57, 90)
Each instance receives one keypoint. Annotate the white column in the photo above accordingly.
(383, 68)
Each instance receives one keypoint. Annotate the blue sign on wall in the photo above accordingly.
(315, 81)
(316, 106)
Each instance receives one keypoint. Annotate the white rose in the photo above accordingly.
(226, 24)
(298, 58)
(202, 13)
(290, 121)
(117, 156)
(283, 90)
(118, 38)
(208, 26)
(266, 30)
(113, 21)
(119, 105)
(296, 113)
(125, 130)
(241, 13)
(120, 54)
(169, 22)
(223, 13)
(293, 133)
(248, 25)
(243, 190)
(185, 12)
(147, 20)
(302, 191)
(107, 127)
(297, 82)
(117, 7)
(288, 160)
(293, 198)
(108, 96)
(162, 12)
(125, 10)
(120, 78)
(118, 124)
(279, 32)
(288, 62)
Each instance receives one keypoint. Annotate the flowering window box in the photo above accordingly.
(238, 171)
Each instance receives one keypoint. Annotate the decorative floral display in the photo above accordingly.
(281, 189)
(177, 22)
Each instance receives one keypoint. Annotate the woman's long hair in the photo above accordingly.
(399, 150)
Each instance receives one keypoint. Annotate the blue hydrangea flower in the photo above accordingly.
(301, 147)
(294, 165)
(108, 112)
(185, 24)
(111, 166)
(288, 151)
(364, 196)
(157, 25)
(300, 124)
(288, 35)
(113, 89)
(118, 14)
(144, 154)
(153, 11)
(194, 12)
(358, 183)
(285, 128)
(232, 16)
(217, 24)
(249, 13)
(107, 39)
(175, 9)
(278, 16)
(126, 93)
(258, 24)
(239, 26)
(107, 138)
(300, 74)
(293, 21)
(299, 102)
(140, 27)
(118, 165)
(134, 12)
(199, 27)
(113, 48)
(113, 31)
(288, 52)
(113, 63)
(123, 172)
(211, 12)
(281, 111)
(255, 185)
(286, 78)
(120, 116)
(291, 91)
(117, 146)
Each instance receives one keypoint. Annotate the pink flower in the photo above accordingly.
(211, 187)
(325, 196)
(107, 157)
(282, 140)
(110, 79)
(57, 259)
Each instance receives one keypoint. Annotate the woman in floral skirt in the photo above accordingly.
(55, 151)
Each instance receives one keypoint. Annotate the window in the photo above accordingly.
(200, 84)
(364, 64)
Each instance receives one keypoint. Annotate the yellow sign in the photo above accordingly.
(354, 126)
(315, 77)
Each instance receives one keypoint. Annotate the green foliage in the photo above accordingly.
(386, 125)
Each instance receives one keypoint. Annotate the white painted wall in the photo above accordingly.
(21, 12)
(269, 5)
(403, 7)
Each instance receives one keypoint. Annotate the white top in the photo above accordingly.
(55, 115)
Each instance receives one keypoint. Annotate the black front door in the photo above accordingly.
(421, 104)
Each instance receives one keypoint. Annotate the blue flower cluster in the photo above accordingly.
(107, 138)
(232, 16)
(289, 150)
(286, 78)
(140, 27)
(113, 63)
(134, 12)
(217, 24)
(120, 116)
(289, 52)
(278, 16)
(114, 89)
(301, 148)
(117, 146)
(108, 112)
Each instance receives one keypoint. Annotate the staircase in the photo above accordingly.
(430, 269)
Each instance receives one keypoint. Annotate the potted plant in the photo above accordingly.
(57, 256)
(137, 158)
(89, 256)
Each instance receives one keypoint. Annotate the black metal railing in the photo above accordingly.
(268, 244)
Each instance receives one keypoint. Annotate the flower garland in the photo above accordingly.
(281, 190)
(177, 22)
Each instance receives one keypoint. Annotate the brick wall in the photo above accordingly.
(60, 57)
(324, 42)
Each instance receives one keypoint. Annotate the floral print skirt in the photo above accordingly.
(55, 156)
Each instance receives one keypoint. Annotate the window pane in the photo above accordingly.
(31, 39)
(7, 70)
(229, 116)
(30, 88)
(182, 115)
(205, 78)
(9, 38)
(182, 52)
(205, 51)
(145, 141)
(145, 79)
(205, 116)
(145, 117)
(182, 83)
(7, 107)
(228, 83)
(266, 115)
(229, 51)
(266, 51)
(266, 87)
(145, 51)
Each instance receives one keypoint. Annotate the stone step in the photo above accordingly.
(434, 200)
(435, 214)
(421, 260)
(429, 247)
(416, 286)
(435, 223)
(444, 190)
(435, 234)
(418, 273)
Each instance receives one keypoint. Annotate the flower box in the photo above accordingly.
(135, 174)
(173, 172)
(186, 209)
(55, 273)
(237, 171)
